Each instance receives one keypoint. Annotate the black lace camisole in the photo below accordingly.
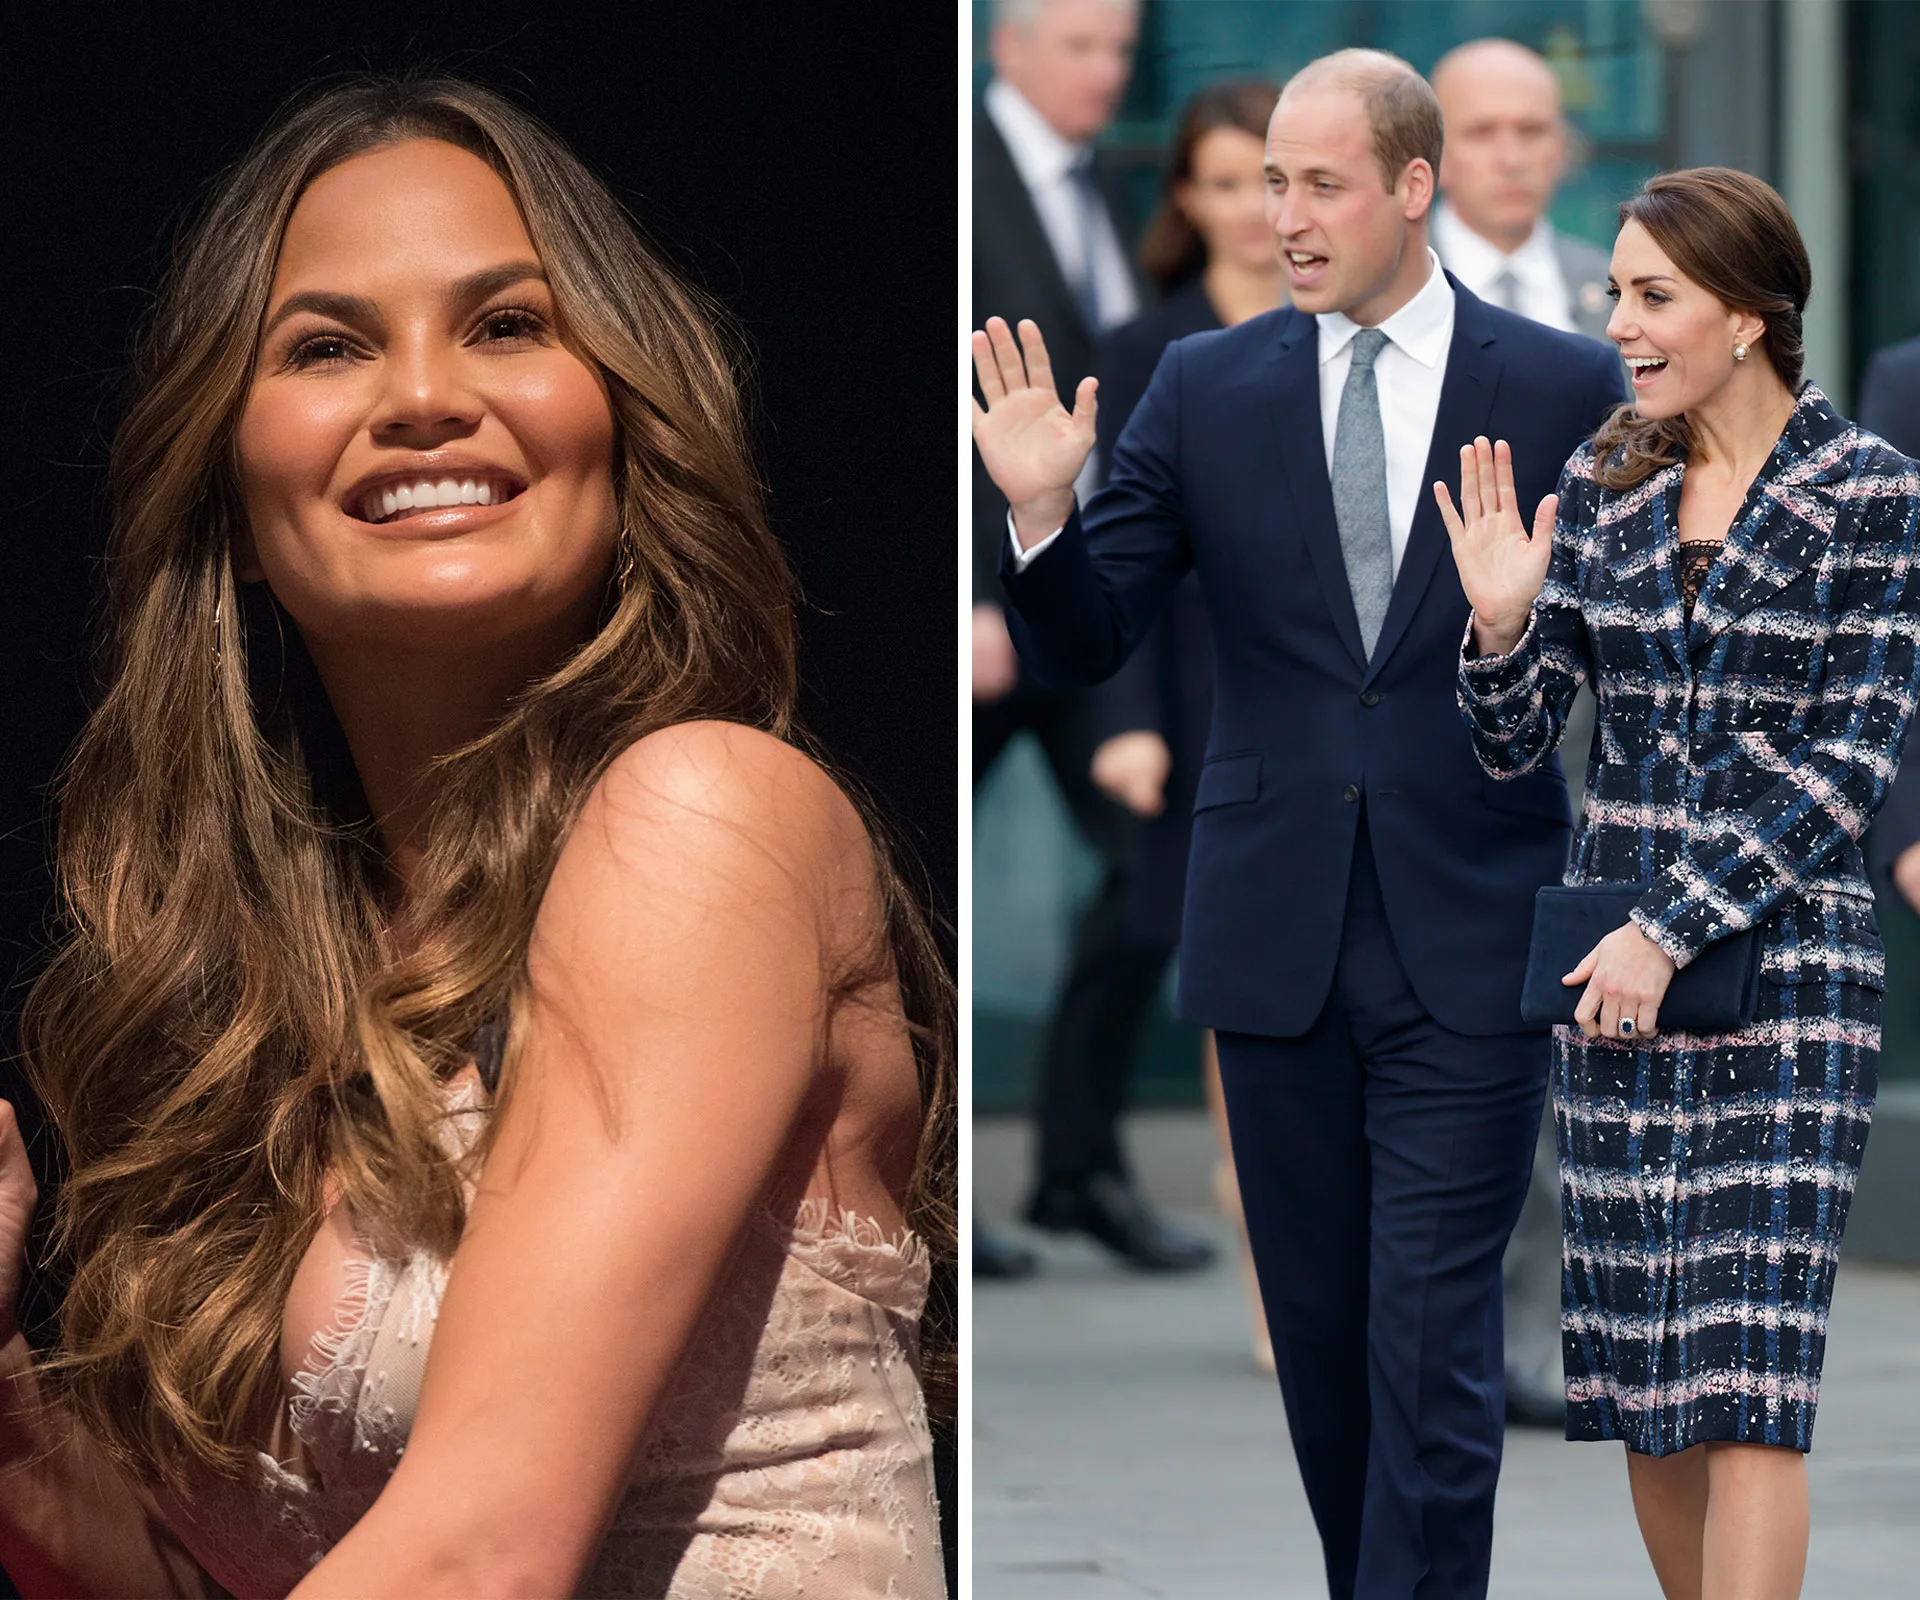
(1692, 559)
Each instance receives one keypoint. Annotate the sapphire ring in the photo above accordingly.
(1626, 1026)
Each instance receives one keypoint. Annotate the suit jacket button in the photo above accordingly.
(1350, 794)
(1369, 697)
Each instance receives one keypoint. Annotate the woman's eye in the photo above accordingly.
(510, 325)
(1655, 298)
(1613, 293)
(322, 349)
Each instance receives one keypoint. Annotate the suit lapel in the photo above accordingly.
(1643, 590)
(1466, 402)
(1786, 522)
(1301, 441)
(1010, 211)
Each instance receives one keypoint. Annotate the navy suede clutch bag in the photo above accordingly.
(1716, 992)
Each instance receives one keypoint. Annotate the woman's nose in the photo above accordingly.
(425, 391)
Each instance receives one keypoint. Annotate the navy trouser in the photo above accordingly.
(1383, 1161)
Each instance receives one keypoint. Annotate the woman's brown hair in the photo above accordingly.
(1171, 249)
(1733, 235)
(229, 1014)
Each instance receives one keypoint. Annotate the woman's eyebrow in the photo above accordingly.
(352, 308)
(361, 311)
(491, 280)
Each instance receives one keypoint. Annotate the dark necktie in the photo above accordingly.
(1087, 210)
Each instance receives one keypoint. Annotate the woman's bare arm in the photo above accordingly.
(682, 963)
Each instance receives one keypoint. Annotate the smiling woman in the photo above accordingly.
(504, 1080)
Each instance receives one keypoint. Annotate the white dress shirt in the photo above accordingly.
(1045, 163)
(1407, 373)
(1543, 293)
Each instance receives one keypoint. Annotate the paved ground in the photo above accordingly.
(1126, 1445)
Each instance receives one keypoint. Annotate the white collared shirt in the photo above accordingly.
(1408, 373)
(1045, 161)
(1543, 291)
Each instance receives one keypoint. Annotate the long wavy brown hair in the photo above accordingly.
(1733, 235)
(228, 1014)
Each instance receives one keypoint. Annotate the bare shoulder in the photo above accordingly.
(737, 818)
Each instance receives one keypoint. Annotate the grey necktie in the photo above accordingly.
(1360, 489)
(1506, 290)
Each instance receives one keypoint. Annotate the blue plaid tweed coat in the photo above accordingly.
(1737, 758)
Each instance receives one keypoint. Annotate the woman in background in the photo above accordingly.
(504, 1083)
(1209, 250)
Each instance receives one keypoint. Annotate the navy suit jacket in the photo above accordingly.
(1223, 469)
(1890, 407)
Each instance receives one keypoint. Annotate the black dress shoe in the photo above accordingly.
(995, 1257)
(1111, 1210)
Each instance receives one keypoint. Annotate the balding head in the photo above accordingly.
(1400, 108)
(1483, 66)
(1506, 138)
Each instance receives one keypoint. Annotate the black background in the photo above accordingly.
(798, 160)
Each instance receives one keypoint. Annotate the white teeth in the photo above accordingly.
(426, 495)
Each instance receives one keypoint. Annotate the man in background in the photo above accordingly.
(1507, 143)
(1506, 151)
(1048, 243)
(1890, 407)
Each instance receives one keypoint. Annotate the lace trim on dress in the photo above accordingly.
(855, 1251)
(326, 1389)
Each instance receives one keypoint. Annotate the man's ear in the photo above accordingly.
(1416, 188)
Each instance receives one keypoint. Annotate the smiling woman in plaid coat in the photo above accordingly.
(1733, 566)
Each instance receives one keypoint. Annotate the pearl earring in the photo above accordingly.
(1739, 352)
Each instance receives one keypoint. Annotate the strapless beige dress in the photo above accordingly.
(789, 1455)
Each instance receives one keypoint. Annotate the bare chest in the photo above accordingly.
(1707, 508)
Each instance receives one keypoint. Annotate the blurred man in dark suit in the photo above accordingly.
(1507, 144)
(1049, 243)
(1890, 407)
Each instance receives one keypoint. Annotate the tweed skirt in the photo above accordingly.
(1704, 1186)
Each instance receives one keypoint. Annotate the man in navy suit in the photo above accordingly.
(1360, 895)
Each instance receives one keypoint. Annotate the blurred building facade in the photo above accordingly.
(1820, 97)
